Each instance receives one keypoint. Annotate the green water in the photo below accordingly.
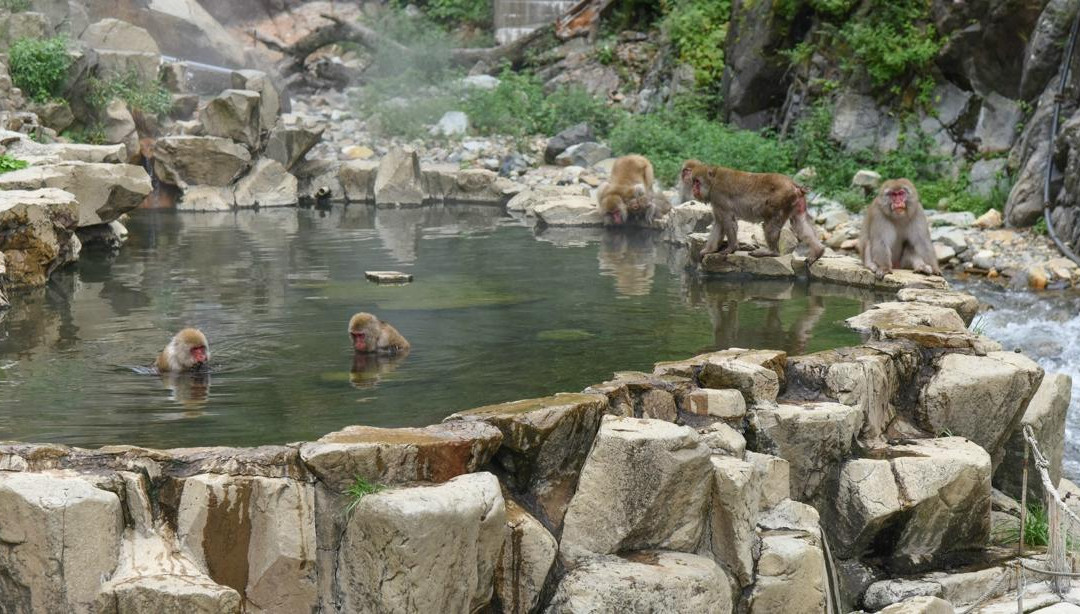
(494, 314)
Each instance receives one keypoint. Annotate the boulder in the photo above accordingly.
(990, 220)
(104, 191)
(900, 314)
(398, 181)
(202, 198)
(686, 219)
(433, 453)
(545, 442)
(756, 77)
(573, 135)
(357, 179)
(650, 581)
(982, 398)
(814, 437)
(112, 33)
(755, 382)
(234, 114)
(744, 263)
(36, 154)
(773, 475)
(454, 533)
(639, 395)
(858, 124)
(1042, 57)
(850, 271)
(447, 182)
(1045, 414)
(733, 516)
(724, 404)
(722, 439)
(268, 184)
(118, 62)
(120, 127)
(791, 575)
(36, 231)
(583, 154)
(269, 101)
(199, 160)
(996, 127)
(920, 605)
(866, 179)
(292, 138)
(965, 305)
(569, 211)
(60, 536)
(527, 557)
(644, 485)
(54, 114)
(109, 236)
(987, 176)
(956, 587)
(452, 123)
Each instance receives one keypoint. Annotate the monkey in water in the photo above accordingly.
(369, 335)
(629, 191)
(770, 198)
(188, 351)
(896, 233)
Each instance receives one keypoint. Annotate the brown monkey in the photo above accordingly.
(756, 197)
(686, 192)
(187, 351)
(368, 334)
(628, 191)
(895, 232)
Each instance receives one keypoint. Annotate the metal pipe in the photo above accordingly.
(1066, 61)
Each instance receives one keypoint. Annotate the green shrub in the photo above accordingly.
(15, 6)
(39, 66)
(149, 97)
(90, 135)
(895, 43)
(698, 30)
(8, 163)
(359, 489)
(453, 12)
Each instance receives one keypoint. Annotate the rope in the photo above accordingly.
(993, 591)
(1053, 136)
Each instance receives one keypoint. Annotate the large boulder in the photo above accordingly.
(733, 515)
(527, 557)
(36, 233)
(291, 138)
(357, 179)
(234, 114)
(982, 398)
(267, 184)
(851, 272)
(580, 133)
(899, 314)
(119, 125)
(569, 211)
(650, 581)
(1042, 58)
(966, 305)
(59, 536)
(545, 442)
(199, 160)
(756, 383)
(398, 182)
(454, 533)
(1045, 414)
(791, 575)
(24, 148)
(112, 33)
(645, 484)
(104, 191)
(269, 100)
(755, 79)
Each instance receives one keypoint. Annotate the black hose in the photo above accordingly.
(1066, 61)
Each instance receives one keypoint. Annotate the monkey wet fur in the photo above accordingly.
(629, 191)
(896, 233)
(188, 351)
(369, 334)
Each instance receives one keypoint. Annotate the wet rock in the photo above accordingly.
(199, 160)
(36, 229)
(268, 184)
(527, 200)
(434, 453)
(207, 198)
(235, 115)
(920, 605)
(996, 126)
(866, 179)
(583, 154)
(755, 382)
(454, 533)
(452, 123)
(960, 588)
(569, 211)
(982, 398)
(527, 557)
(120, 35)
(120, 127)
(269, 101)
(104, 191)
(716, 403)
(573, 135)
(109, 236)
(906, 314)
(849, 271)
(60, 536)
(398, 180)
(965, 305)
(642, 486)
(357, 178)
(292, 138)
(1045, 414)
(686, 219)
(791, 575)
(743, 262)
(650, 581)
(733, 514)
(545, 442)
(722, 439)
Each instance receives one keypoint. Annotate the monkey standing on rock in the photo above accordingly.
(628, 192)
(896, 233)
(756, 197)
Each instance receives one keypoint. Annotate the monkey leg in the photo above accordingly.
(804, 230)
(713, 243)
(772, 238)
(910, 259)
(868, 261)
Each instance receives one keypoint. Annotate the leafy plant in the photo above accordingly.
(39, 66)
(359, 489)
(140, 95)
(453, 12)
(1039, 227)
(15, 6)
(698, 30)
(90, 135)
(8, 163)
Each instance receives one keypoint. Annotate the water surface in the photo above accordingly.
(494, 314)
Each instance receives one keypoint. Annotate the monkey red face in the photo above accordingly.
(198, 354)
(359, 340)
(898, 200)
(696, 189)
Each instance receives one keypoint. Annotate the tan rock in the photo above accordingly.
(527, 557)
(1045, 414)
(756, 383)
(398, 180)
(199, 160)
(965, 304)
(989, 220)
(357, 178)
(898, 314)
(717, 403)
(923, 605)
(743, 262)
(733, 514)
(104, 191)
(235, 115)
(36, 228)
(267, 184)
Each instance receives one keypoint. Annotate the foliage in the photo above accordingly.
(39, 66)
(140, 95)
(359, 489)
(8, 163)
(453, 12)
(90, 135)
(15, 6)
(698, 30)
(1039, 227)
(895, 43)
(1036, 527)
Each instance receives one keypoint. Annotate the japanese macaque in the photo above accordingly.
(686, 192)
(188, 351)
(756, 197)
(629, 191)
(370, 335)
(895, 233)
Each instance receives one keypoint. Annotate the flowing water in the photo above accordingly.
(494, 314)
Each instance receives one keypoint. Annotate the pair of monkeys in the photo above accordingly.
(895, 232)
(190, 351)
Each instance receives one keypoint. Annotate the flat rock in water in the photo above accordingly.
(388, 277)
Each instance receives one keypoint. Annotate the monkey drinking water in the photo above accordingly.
(369, 334)
(628, 192)
(187, 351)
(896, 233)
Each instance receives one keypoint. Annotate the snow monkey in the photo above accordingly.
(686, 192)
(756, 197)
(187, 351)
(895, 232)
(629, 191)
(368, 334)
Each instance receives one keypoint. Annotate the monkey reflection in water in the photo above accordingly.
(770, 333)
(629, 257)
(378, 348)
(182, 366)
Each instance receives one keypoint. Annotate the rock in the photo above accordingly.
(866, 179)
(951, 236)
(957, 219)
(943, 253)
(965, 305)
(849, 271)
(583, 154)
(110, 236)
(433, 453)
(358, 152)
(754, 81)
(635, 394)
(484, 82)
(60, 537)
(398, 181)
(120, 127)
(569, 211)
(857, 122)
(116, 62)
(983, 259)
(269, 101)
(722, 439)
(1045, 414)
(716, 403)
(475, 185)
(642, 486)
(573, 135)
(207, 198)
(55, 114)
(452, 123)
(904, 314)
(920, 605)
(234, 114)
(254, 534)
(36, 154)
(686, 219)
(388, 277)
(650, 581)
(454, 532)
(1042, 58)
(791, 575)
(987, 176)
(733, 515)
(982, 398)
(1025, 203)
(756, 383)
(36, 229)
(1036, 277)
(23, 24)
(104, 191)
(773, 475)
(743, 262)
(268, 184)
(996, 127)
(813, 437)
(527, 557)
(835, 218)
(990, 220)
(357, 178)
(292, 138)
(545, 442)
(119, 35)
(199, 160)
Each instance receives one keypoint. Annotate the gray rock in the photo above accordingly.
(950, 103)
(268, 184)
(583, 154)
(573, 135)
(899, 314)
(866, 179)
(452, 123)
(203, 198)
(199, 160)
(733, 516)
(104, 191)
(398, 180)
(528, 554)
(120, 127)
(112, 62)
(951, 236)
(269, 100)
(43, 223)
(569, 211)
(983, 259)
(484, 82)
(996, 126)
(986, 176)
(1042, 58)
(958, 219)
(234, 114)
(119, 35)
(1045, 414)
(857, 123)
(292, 138)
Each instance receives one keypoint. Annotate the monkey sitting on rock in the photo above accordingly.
(896, 233)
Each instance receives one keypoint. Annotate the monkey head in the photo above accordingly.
(190, 348)
(701, 179)
(897, 197)
(364, 331)
(687, 169)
